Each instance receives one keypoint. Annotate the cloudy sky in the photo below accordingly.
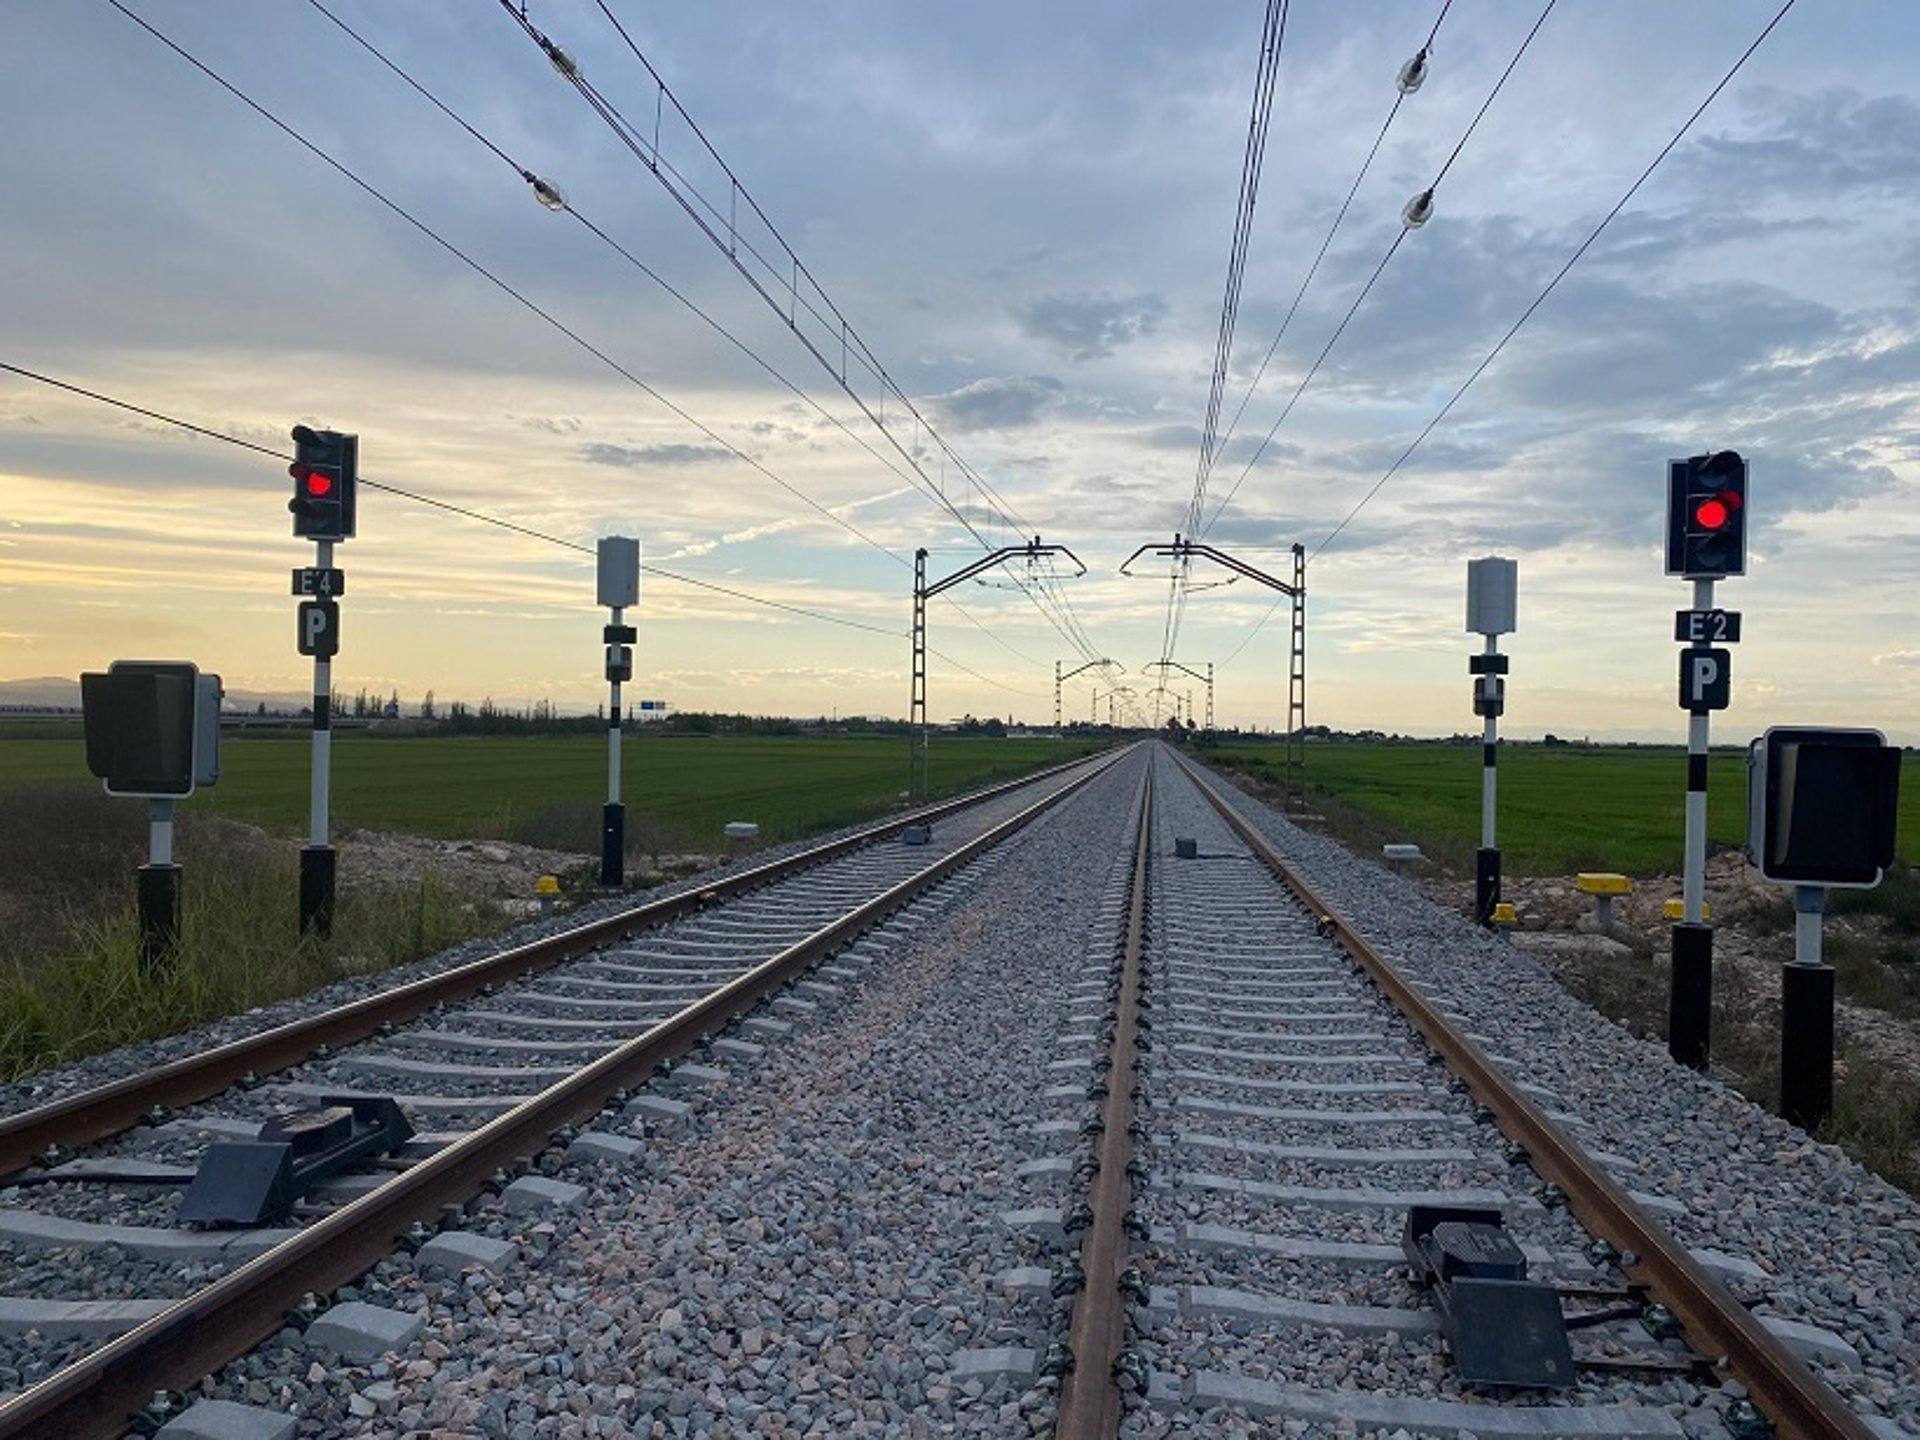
(1023, 212)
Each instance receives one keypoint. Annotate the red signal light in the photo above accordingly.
(317, 483)
(1711, 514)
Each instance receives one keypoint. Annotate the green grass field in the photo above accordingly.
(544, 789)
(1561, 809)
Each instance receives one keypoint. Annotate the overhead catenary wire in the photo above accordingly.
(1533, 306)
(1373, 279)
(552, 320)
(1273, 38)
(1401, 91)
(732, 244)
(692, 307)
(490, 276)
(447, 505)
(1273, 41)
(1559, 275)
(528, 531)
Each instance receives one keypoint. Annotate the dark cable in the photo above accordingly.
(446, 505)
(1559, 275)
(487, 274)
(731, 244)
(1307, 379)
(1539, 300)
(1399, 99)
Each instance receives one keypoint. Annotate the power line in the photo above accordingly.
(1401, 90)
(689, 304)
(1541, 298)
(554, 321)
(724, 232)
(634, 260)
(448, 505)
(1273, 41)
(1424, 199)
(1559, 275)
(550, 319)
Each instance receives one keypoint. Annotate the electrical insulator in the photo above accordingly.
(1413, 74)
(563, 61)
(547, 193)
(1419, 210)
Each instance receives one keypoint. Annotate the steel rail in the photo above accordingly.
(105, 1110)
(1090, 1394)
(98, 1395)
(1801, 1405)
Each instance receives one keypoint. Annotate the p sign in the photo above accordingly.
(1706, 677)
(319, 628)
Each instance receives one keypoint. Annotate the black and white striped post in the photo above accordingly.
(1690, 994)
(1706, 541)
(325, 473)
(1492, 610)
(618, 558)
(317, 857)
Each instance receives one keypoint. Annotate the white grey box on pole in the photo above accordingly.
(1493, 587)
(619, 557)
(207, 697)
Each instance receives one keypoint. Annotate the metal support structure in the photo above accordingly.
(317, 857)
(1806, 1018)
(917, 703)
(1296, 757)
(1165, 666)
(159, 889)
(1032, 551)
(1060, 678)
(1690, 996)
(1184, 550)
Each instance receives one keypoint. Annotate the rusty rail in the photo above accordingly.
(1090, 1394)
(1801, 1405)
(105, 1110)
(97, 1395)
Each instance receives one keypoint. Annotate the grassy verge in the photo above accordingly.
(491, 786)
(240, 948)
(1876, 1114)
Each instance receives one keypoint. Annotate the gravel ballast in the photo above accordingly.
(1839, 1248)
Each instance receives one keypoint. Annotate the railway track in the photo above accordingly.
(490, 1062)
(1091, 1137)
(1293, 1112)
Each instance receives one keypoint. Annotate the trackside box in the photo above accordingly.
(1822, 805)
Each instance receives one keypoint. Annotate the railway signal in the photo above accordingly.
(618, 560)
(1493, 588)
(153, 732)
(1707, 516)
(1822, 806)
(1706, 541)
(325, 471)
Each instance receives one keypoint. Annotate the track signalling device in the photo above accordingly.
(1822, 805)
(325, 473)
(152, 727)
(1707, 516)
